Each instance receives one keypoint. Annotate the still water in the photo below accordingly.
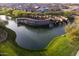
(32, 38)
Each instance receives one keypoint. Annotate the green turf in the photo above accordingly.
(61, 46)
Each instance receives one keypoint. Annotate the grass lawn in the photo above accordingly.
(59, 46)
(10, 48)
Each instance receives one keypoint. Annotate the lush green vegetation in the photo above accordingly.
(67, 44)
(60, 45)
(19, 13)
(9, 47)
(6, 11)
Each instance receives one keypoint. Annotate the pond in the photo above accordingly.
(32, 38)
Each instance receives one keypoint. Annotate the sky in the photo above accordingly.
(39, 1)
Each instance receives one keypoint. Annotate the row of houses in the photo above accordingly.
(36, 7)
(46, 22)
(47, 17)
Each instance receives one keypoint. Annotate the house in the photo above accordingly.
(42, 9)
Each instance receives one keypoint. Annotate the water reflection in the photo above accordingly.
(33, 38)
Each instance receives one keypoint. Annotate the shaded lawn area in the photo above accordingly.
(59, 46)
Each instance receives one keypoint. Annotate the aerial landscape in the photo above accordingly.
(39, 29)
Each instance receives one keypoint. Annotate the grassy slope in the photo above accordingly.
(58, 46)
(11, 48)
(61, 46)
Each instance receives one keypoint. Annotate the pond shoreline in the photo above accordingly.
(3, 35)
(11, 47)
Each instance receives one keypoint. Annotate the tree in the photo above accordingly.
(67, 13)
(18, 13)
(6, 11)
